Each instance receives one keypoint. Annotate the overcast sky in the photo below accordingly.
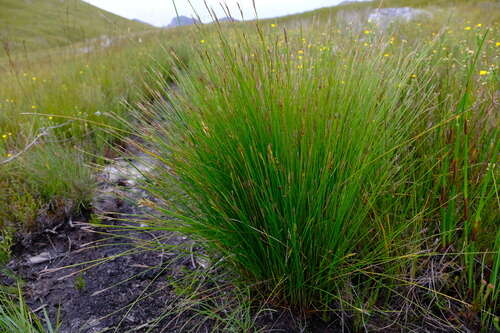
(161, 12)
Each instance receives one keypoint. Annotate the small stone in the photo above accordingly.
(41, 258)
(203, 262)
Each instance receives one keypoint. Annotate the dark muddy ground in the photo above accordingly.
(91, 275)
(109, 279)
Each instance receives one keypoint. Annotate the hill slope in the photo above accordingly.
(42, 24)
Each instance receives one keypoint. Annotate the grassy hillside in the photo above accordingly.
(328, 14)
(41, 24)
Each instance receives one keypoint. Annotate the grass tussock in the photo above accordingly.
(329, 170)
(16, 316)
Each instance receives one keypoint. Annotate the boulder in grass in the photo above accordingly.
(385, 16)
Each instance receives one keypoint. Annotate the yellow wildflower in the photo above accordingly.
(50, 117)
(414, 76)
(9, 155)
(202, 41)
(146, 203)
(498, 44)
(483, 72)
(273, 25)
(386, 55)
(367, 32)
(205, 128)
(467, 28)
(34, 78)
(33, 107)
(4, 136)
(479, 25)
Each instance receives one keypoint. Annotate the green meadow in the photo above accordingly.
(337, 164)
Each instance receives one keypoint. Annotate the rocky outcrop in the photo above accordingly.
(182, 21)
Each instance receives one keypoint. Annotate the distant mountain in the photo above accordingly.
(182, 21)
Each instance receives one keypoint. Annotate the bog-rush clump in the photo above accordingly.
(312, 164)
(285, 155)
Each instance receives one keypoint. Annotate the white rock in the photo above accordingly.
(384, 16)
(41, 258)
